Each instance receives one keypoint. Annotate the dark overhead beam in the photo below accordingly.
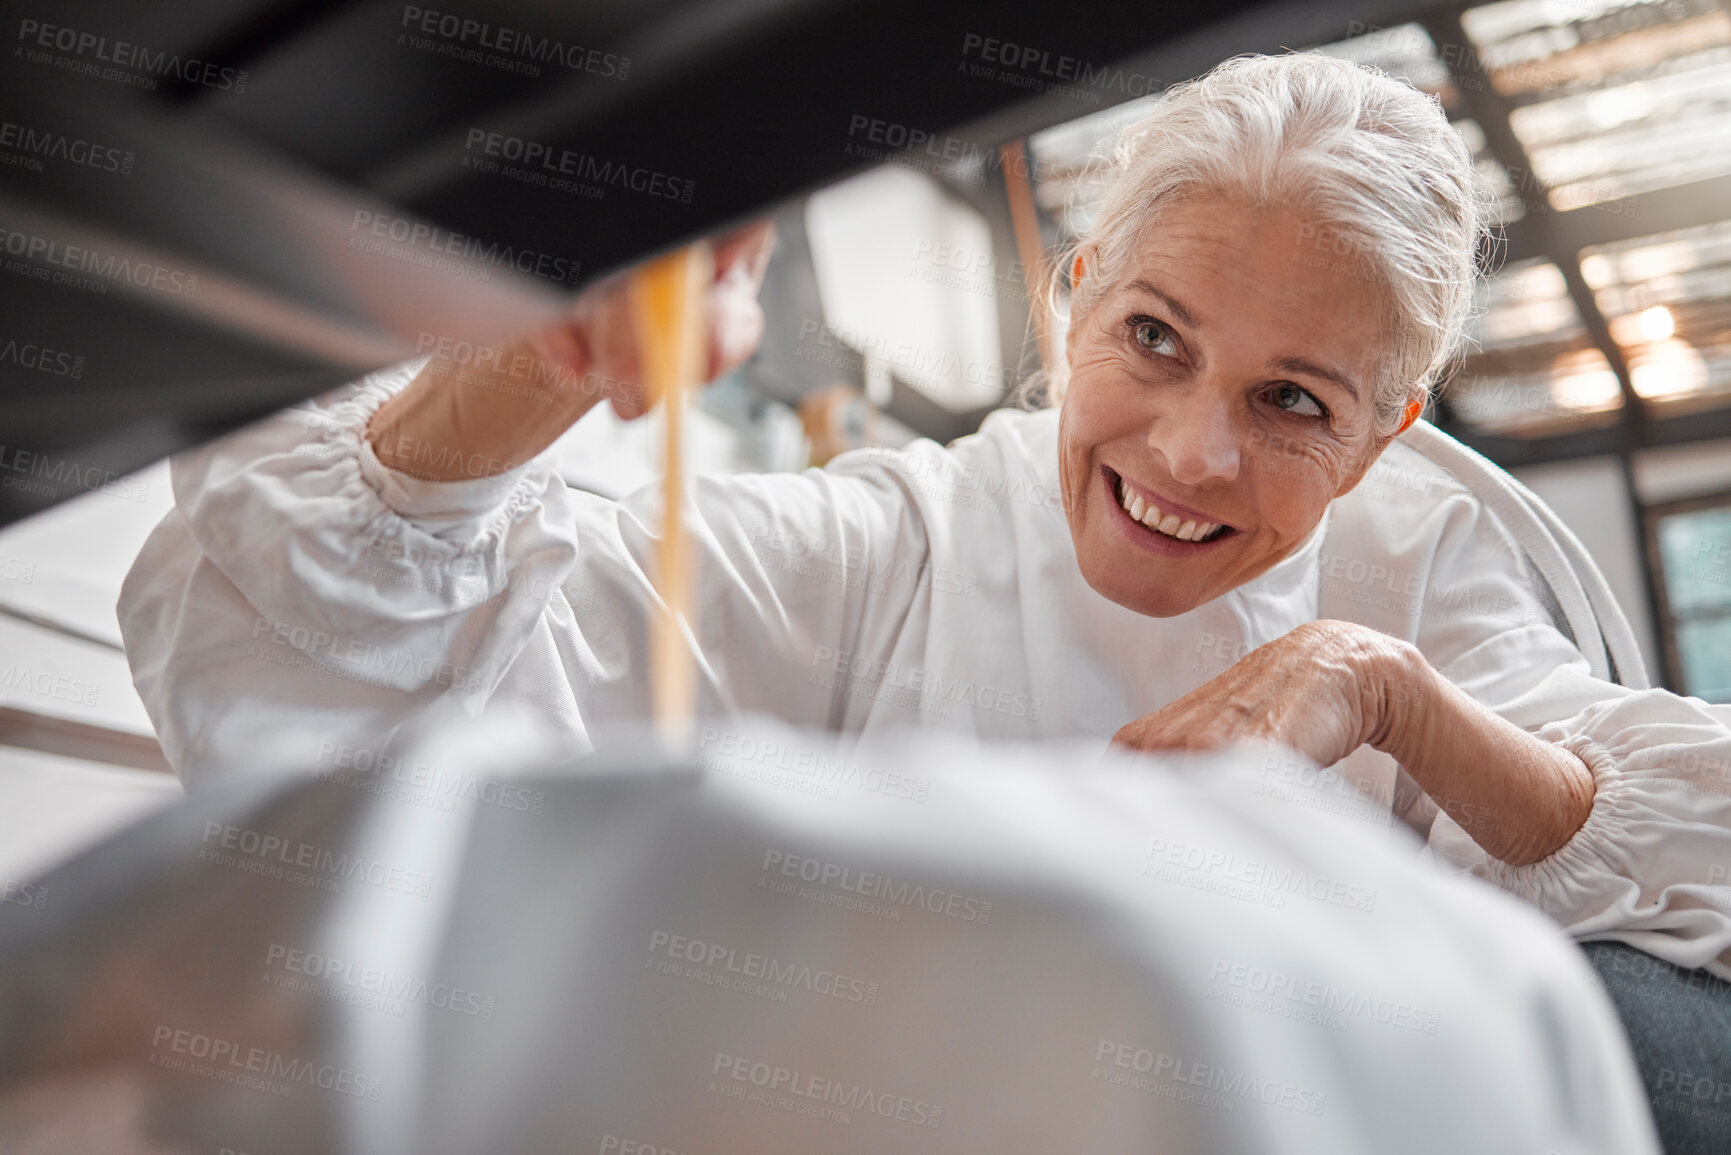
(741, 106)
(1513, 452)
(744, 103)
(1703, 202)
(244, 43)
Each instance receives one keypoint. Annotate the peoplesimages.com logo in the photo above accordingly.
(864, 891)
(86, 53)
(815, 1096)
(756, 973)
(226, 1061)
(303, 863)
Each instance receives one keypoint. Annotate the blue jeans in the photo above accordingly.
(1679, 1026)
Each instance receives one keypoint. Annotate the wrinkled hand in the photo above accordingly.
(595, 340)
(1323, 690)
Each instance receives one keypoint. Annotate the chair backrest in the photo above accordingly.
(1581, 601)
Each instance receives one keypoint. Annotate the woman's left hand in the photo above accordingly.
(1323, 690)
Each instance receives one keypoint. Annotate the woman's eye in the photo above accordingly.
(1293, 399)
(1152, 335)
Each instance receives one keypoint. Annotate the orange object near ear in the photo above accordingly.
(1076, 271)
(1413, 409)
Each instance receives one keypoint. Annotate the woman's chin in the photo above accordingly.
(1153, 595)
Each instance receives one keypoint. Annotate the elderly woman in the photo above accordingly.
(1280, 271)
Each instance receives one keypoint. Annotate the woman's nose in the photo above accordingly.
(1197, 438)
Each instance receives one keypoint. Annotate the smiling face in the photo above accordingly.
(1222, 380)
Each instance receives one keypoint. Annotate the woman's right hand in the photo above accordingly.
(454, 423)
(594, 341)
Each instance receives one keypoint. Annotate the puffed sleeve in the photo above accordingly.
(302, 602)
(1649, 866)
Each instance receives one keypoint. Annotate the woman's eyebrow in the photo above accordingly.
(1178, 310)
(1312, 369)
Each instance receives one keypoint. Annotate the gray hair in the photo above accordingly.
(1387, 182)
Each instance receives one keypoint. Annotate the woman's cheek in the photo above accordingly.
(1089, 403)
(1295, 460)
(1293, 487)
(1298, 508)
(1111, 399)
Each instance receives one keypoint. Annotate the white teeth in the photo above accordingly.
(1169, 524)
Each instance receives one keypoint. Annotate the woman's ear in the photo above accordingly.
(1080, 262)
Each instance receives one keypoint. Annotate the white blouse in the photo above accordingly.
(303, 602)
